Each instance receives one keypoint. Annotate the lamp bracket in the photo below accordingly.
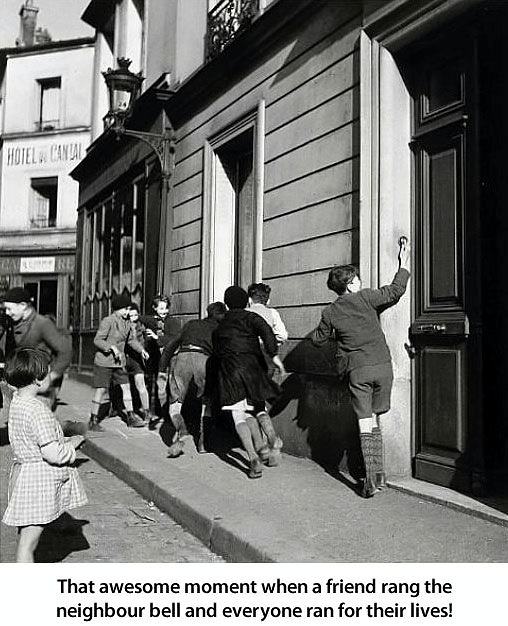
(162, 144)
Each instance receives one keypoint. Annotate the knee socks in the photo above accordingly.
(378, 453)
(367, 444)
(265, 422)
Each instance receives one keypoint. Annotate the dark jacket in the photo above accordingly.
(353, 321)
(196, 333)
(239, 333)
(114, 331)
(41, 333)
(240, 368)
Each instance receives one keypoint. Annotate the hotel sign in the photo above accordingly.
(37, 265)
(43, 154)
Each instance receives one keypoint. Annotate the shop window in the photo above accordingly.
(49, 103)
(44, 294)
(43, 202)
(114, 236)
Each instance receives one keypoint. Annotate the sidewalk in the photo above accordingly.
(295, 513)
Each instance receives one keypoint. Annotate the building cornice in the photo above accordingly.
(46, 133)
(36, 231)
(52, 46)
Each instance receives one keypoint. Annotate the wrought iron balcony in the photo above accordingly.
(225, 21)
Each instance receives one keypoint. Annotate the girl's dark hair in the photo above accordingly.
(259, 292)
(134, 307)
(26, 366)
(339, 278)
(235, 297)
(160, 298)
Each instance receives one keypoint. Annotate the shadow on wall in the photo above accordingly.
(318, 405)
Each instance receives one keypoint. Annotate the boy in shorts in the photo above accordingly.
(135, 364)
(114, 332)
(353, 321)
(194, 345)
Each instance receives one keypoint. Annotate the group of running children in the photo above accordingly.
(231, 356)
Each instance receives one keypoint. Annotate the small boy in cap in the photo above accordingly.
(114, 332)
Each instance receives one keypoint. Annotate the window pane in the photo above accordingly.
(43, 202)
(444, 86)
(97, 250)
(127, 239)
(106, 247)
(115, 243)
(49, 112)
(89, 271)
(140, 233)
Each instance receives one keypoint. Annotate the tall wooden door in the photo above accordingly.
(446, 326)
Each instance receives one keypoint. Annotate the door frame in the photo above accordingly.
(255, 121)
(386, 32)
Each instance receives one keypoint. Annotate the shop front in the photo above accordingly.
(49, 280)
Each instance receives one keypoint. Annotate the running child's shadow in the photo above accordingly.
(61, 538)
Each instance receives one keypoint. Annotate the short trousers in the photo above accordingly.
(133, 366)
(371, 387)
(186, 367)
(103, 376)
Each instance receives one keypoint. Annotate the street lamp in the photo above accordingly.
(123, 88)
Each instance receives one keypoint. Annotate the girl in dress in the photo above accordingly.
(42, 483)
(243, 383)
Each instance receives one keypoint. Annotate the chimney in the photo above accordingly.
(27, 24)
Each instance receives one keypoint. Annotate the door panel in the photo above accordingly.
(445, 152)
(443, 396)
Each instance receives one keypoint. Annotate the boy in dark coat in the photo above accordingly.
(353, 321)
(31, 330)
(194, 347)
(243, 383)
(115, 331)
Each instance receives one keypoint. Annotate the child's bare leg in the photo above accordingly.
(139, 381)
(162, 382)
(131, 419)
(176, 448)
(27, 543)
(239, 418)
(98, 398)
(206, 411)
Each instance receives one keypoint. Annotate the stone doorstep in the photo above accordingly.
(449, 498)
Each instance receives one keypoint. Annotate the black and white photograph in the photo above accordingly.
(253, 300)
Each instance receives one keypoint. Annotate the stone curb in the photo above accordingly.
(222, 535)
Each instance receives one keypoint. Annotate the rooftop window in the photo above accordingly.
(48, 114)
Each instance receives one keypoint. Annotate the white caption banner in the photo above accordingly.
(189, 594)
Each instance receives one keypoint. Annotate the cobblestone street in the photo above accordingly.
(116, 526)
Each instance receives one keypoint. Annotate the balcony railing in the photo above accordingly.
(225, 21)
